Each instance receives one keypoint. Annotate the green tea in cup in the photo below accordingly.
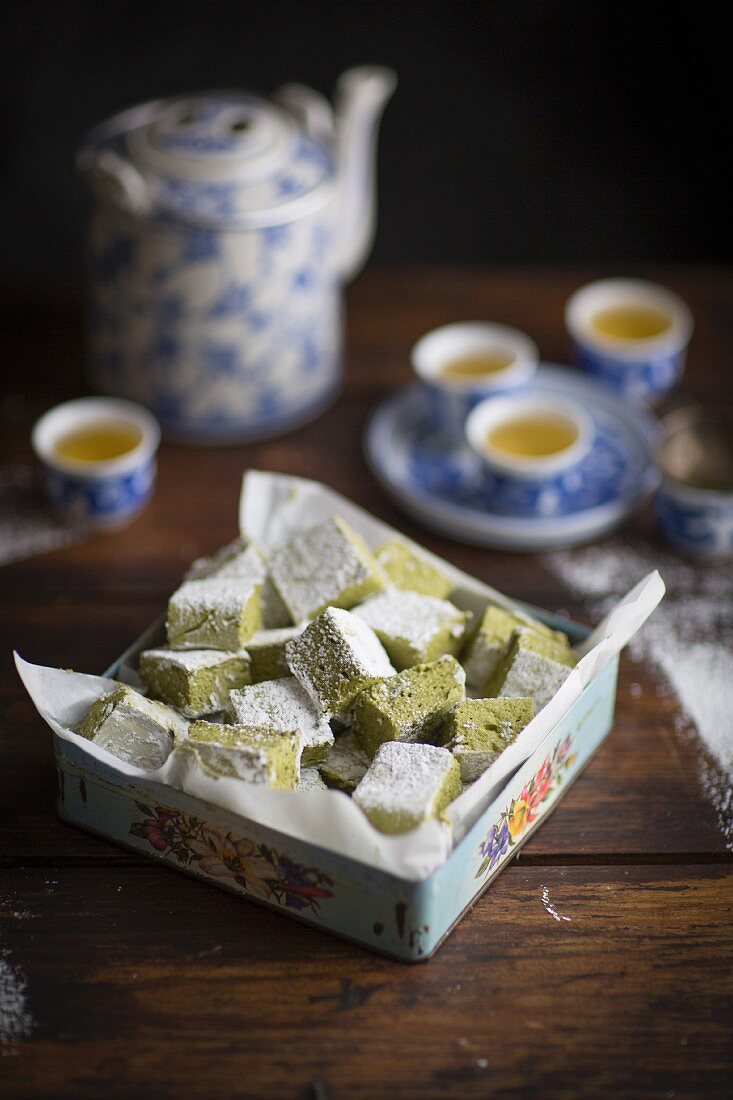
(630, 322)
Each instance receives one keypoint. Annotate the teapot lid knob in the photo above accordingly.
(221, 158)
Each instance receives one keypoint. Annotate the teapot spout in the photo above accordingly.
(361, 95)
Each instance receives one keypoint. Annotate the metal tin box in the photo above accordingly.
(397, 917)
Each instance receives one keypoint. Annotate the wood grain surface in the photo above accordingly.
(141, 982)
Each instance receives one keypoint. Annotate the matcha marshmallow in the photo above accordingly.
(310, 780)
(335, 658)
(414, 628)
(138, 730)
(216, 613)
(196, 681)
(406, 785)
(284, 705)
(244, 561)
(478, 730)
(266, 651)
(491, 640)
(328, 565)
(410, 706)
(256, 754)
(533, 667)
(408, 569)
(346, 763)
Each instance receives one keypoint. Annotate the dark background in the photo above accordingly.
(521, 132)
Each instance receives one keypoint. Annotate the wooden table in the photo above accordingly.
(142, 982)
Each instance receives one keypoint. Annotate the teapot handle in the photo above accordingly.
(310, 107)
(129, 187)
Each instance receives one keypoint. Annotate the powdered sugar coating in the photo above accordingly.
(346, 764)
(335, 657)
(195, 681)
(266, 650)
(531, 674)
(412, 627)
(492, 638)
(254, 754)
(327, 565)
(410, 706)
(236, 559)
(138, 730)
(189, 660)
(406, 784)
(216, 613)
(245, 561)
(284, 705)
(310, 780)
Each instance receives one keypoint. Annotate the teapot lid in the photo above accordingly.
(220, 158)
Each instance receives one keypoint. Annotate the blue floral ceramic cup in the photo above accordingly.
(525, 484)
(631, 334)
(100, 492)
(448, 360)
(695, 499)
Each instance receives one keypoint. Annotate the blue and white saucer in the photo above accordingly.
(442, 483)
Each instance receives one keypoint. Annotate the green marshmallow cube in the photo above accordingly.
(534, 666)
(406, 785)
(410, 706)
(244, 561)
(414, 628)
(328, 565)
(284, 705)
(255, 754)
(237, 559)
(335, 658)
(216, 613)
(406, 568)
(266, 652)
(137, 730)
(310, 780)
(478, 730)
(346, 763)
(196, 681)
(491, 640)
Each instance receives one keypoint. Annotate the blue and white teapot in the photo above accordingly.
(221, 229)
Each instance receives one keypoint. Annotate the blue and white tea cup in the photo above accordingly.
(449, 400)
(101, 493)
(694, 501)
(644, 368)
(530, 485)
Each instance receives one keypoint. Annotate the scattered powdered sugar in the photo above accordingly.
(16, 1022)
(550, 907)
(689, 637)
(27, 524)
(411, 616)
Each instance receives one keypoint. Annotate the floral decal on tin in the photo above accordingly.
(523, 810)
(256, 868)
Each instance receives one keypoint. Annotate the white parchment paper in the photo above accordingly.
(273, 507)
